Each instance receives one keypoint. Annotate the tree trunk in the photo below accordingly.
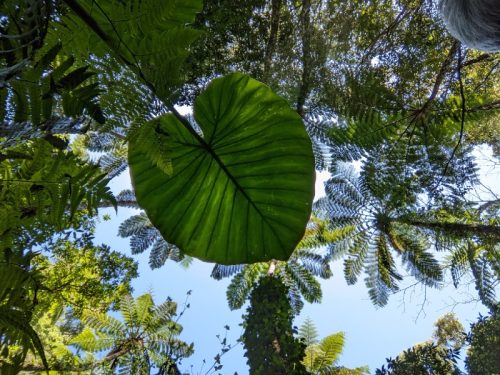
(305, 23)
(271, 43)
(459, 229)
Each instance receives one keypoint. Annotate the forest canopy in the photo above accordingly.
(376, 93)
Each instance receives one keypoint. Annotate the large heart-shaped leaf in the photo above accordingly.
(241, 192)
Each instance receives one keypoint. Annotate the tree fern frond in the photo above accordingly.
(358, 246)
(143, 240)
(221, 271)
(104, 323)
(239, 288)
(378, 291)
(306, 283)
(113, 165)
(483, 277)
(127, 198)
(160, 252)
(331, 347)
(459, 264)
(381, 279)
(294, 293)
(143, 309)
(314, 263)
(133, 225)
(308, 332)
(88, 341)
(128, 310)
(421, 264)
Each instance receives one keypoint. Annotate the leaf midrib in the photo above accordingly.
(212, 153)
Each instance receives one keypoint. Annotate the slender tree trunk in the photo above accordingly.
(271, 43)
(305, 24)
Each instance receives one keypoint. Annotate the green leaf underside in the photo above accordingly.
(242, 194)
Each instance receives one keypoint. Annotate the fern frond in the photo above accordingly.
(133, 225)
(126, 198)
(160, 252)
(484, 279)
(357, 247)
(88, 341)
(421, 264)
(306, 283)
(16, 328)
(314, 263)
(221, 271)
(242, 283)
(128, 309)
(308, 332)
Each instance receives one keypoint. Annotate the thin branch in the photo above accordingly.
(488, 204)
(439, 80)
(393, 25)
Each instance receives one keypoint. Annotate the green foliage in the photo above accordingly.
(371, 235)
(321, 356)
(23, 36)
(270, 346)
(86, 276)
(449, 332)
(149, 38)
(55, 339)
(147, 337)
(298, 273)
(143, 235)
(56, 95)
(484, 340)
(377, 82)
(426, 358)
(240, 194)
(19, 284)
(45, 187)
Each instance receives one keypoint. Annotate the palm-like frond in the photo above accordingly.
(242, 283)
(88, 341)
(143, 235)
(420, 263)
(306, 283)
(147, 337)
(308, 332)
(221, 271)
(485, 280)
(298, 273)
(372, 232)
(320, 356)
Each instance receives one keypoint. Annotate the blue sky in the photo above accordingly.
(372, 334)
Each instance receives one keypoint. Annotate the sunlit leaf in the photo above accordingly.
(242, 192)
